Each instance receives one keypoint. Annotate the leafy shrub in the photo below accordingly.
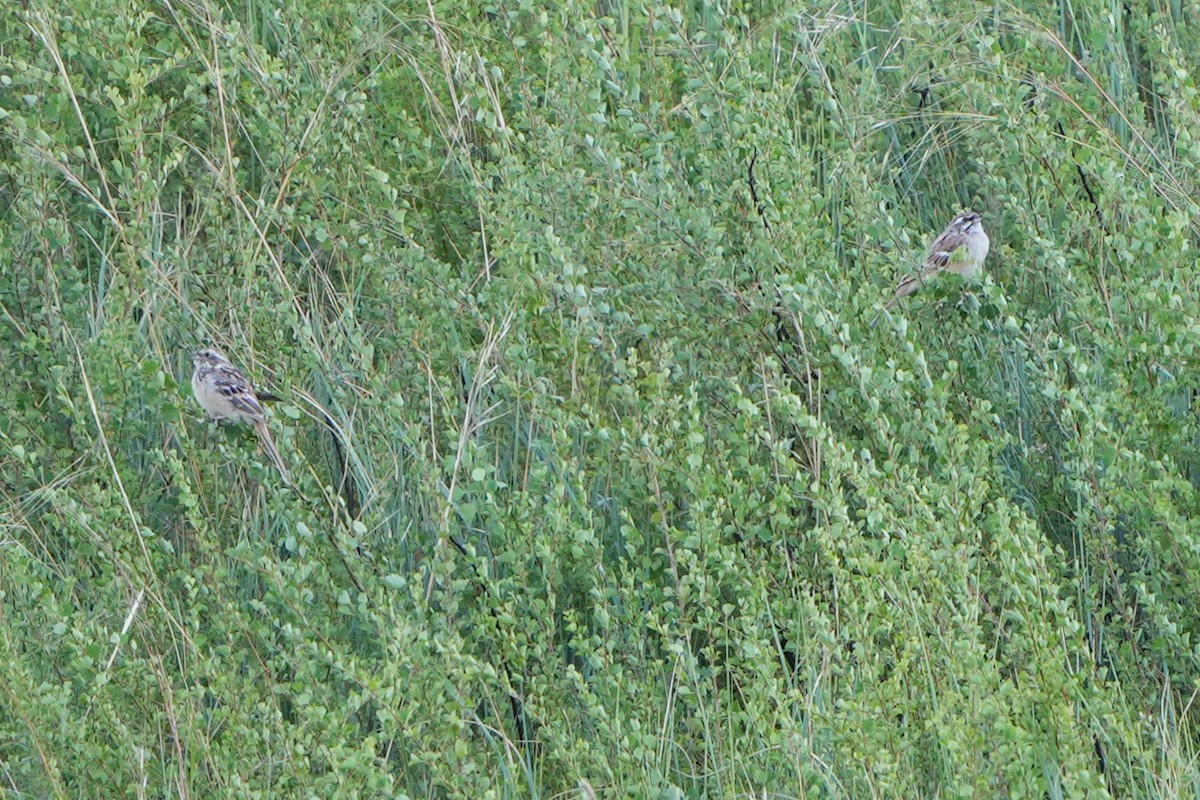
(605, 482)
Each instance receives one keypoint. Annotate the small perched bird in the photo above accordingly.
(225, 394)
(960, 249)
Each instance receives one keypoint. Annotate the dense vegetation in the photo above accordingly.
(605, 485)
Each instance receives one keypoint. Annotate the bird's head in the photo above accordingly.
(968, 222)
(209, 357)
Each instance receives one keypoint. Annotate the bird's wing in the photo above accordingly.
(234, 386)
(949, 248)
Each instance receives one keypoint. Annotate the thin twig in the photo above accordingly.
(758, 204)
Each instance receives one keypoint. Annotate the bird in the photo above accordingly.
(226, 394)
(960, 249)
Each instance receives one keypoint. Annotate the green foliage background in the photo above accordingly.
(719, 537)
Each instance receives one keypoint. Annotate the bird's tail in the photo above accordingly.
(908, 284)
(264, 436)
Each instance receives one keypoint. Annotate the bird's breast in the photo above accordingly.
(977, 250)
(978, 247)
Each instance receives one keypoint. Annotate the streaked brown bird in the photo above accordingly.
(226, 394)
(960, 249)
